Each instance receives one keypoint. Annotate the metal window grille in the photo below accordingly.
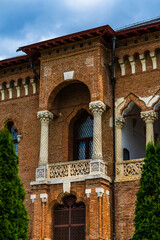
(69, 220)
(14, 135)
(83, 137)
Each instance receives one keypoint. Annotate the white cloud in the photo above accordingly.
(88, 5)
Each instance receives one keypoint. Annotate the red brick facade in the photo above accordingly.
(74, 71)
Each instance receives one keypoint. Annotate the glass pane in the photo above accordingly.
(85, 129)
(81, 151)
(90, 149)
(14, 133)
(61, 217)
(16, 148)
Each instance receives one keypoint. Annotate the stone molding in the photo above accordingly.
(45, 116)
(88, 192)
(97, 107)
(44, 197)
(99, 192)
(33, 197)
(149, 116)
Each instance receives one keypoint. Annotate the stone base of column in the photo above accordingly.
(41, 173)
(98, 166)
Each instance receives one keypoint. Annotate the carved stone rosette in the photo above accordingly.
(97, 107)
(44, 117)
(149, 117)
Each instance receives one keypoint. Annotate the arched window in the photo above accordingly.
(14, 135)
(83, 137)
(69, 220)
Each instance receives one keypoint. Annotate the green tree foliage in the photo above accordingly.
(13, 216)
(147, 212)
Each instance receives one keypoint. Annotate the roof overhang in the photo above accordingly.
(138, 29)
(34, 49)
(13, 61)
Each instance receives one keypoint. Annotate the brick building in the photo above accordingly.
(58, 103)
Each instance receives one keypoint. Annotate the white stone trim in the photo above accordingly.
(107, 192)
(68, 75)
(99, 192)
(133, 64)
(122, 66)
(66, 187)
(154, 59)
(44, 116)
(143, 62)
(33, 197)
(97, 107)
(88, 192)
(44, 197)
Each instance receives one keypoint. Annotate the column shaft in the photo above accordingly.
(120, 121)
(97, 108)
(45, 117)
(149, 117)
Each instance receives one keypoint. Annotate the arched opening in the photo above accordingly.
(133, 134)
(69, 101)
(14, 134)
(69, 220)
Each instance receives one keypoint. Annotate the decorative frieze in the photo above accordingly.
(97, 107)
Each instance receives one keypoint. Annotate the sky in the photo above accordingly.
(23, 22)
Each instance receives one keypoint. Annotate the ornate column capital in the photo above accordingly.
(149, 116)
(45, 116)
(97, 107)
(120, 122)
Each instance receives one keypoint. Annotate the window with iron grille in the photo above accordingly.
(14, 135)
(83, 137)
(69, 220)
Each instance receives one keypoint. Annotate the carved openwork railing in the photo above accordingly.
(72, 170)
(69, 169)
(129, 170)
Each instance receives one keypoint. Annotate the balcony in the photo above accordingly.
(129, 170)
(73, 171)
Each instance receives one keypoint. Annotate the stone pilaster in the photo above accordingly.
(120, 122)
(97, 107)
(149, 117)
(44, 117)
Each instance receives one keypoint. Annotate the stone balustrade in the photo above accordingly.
(74, 171)
(129, 170)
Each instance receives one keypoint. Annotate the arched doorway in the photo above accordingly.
(69, 220)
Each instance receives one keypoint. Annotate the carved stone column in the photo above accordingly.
(149, 117)
(97, 108)
(120, 122)
(44, 117)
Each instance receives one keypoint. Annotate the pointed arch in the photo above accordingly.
(128, 103)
